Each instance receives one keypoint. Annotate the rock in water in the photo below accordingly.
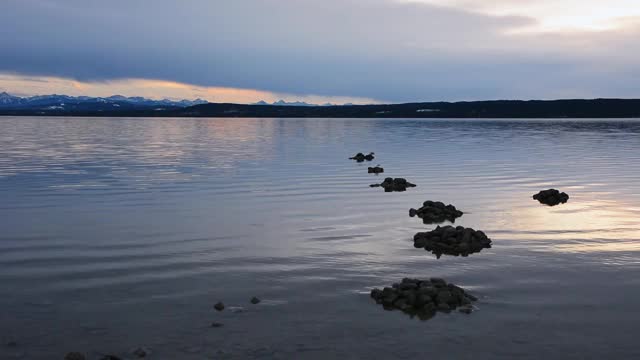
(551, 197)
(75, 356)
(375, 170)
(140, 352)
(360, 157)
(451, 240)
(397, 184)
(433, 212)
(216, 325)
(423, 297)
(255, 300)
(219, 306)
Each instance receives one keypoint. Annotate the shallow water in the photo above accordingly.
(121, 233)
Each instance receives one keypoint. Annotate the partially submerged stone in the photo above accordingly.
(433, 212)
(449, 240)
(551, 197)
(423, 298)
(140, 352)
(397, 184)
(255, 300)
(360, 157)
(376, 170)
(219, 306)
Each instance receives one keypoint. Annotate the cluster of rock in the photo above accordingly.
(551, 197)
(424, 297)
(433, 212)
(360, 157)
(397, 184)
(451, 240)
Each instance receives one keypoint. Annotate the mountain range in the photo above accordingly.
(62, 105)
(87, 103)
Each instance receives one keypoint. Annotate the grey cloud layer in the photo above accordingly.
(370, 48)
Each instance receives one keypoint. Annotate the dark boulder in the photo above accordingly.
(375, 170)
(397, 184)
(434, 212)
(551, 197)
(219, 306)
(423, 298)
(360, 157)
(449, 240)
(255, 300)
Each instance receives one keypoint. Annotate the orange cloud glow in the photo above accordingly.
(155, 89)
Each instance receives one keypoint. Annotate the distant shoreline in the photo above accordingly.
(497, 109)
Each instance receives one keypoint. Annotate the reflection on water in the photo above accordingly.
(122, 233)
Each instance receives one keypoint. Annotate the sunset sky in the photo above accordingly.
(359, 51)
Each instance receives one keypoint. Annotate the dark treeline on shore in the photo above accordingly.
(596, 108)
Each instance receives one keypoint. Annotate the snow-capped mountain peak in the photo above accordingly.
(8, 101)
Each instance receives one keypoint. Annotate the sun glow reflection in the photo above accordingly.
(580, 226)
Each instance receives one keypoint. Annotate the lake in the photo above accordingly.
(121, 233)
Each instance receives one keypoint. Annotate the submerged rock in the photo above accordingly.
(433, 212)
(216, 325)
(376, 170)
(451, 240)
(219, 306)
(423, 298)
(140, 352)
(397, 184)
(255, 300)
(75, 356)
(551, 197)
(110, 357)
(360, 157)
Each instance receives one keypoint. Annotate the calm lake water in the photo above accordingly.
(123, 233)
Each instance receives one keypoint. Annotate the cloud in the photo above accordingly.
(375, 49)
(552, 14)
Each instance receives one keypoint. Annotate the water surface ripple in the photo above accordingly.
(119, 233)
